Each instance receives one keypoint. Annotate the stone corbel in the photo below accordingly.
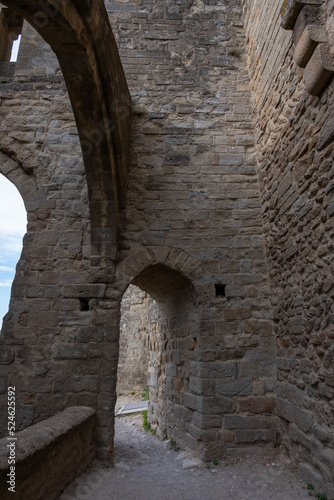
(291, 8)
(311, 48)
(319, 70)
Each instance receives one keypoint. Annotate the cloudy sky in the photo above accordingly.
(13, 222)
(15, 49)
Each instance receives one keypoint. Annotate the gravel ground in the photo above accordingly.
(147, 468)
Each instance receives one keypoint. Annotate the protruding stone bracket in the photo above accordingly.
(307, 43)
(291, 8)
(311, 50)
(319, 70)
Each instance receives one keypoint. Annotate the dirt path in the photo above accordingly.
(146, 468)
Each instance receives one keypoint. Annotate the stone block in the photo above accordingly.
(202, 386)
(257, 405)
(171, 370)
(319, 70)
(284, 409)
(232, 422)
(72, 277)
(326, 135)
(152, 380)
(256, 368)
(258, 327)
(215, 450)
(218, 405)
(201, 434)
(218, 369)
(68, 351)
(326, 471)
(207, 421)
(84, 383)
(323, 433)
(7, 355)
(236, 314)
(303, 418)
(310, 474)
(230, 388)
(254, 436)
(43, 319)
(35, 291)
(190, 401)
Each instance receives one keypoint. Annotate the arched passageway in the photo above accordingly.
(172, 343)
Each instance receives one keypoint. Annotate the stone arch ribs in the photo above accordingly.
(79, 33)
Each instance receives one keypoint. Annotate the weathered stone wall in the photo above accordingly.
(193, 187)
(295, 153)
(48, 456)
(55, 347)
(191, 235)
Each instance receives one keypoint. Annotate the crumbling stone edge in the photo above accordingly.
(49, 455)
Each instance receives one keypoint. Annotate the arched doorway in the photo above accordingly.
(171, 341)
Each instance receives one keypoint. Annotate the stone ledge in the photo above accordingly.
(49, 455)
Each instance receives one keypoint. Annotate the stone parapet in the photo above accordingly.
(47, 456)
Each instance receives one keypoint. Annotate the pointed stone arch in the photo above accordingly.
(79, 33)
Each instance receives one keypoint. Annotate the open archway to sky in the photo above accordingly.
(15, 49)
(13, 224)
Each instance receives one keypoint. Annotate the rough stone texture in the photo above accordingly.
(295, 152)
(192, 221)
(226, 176)
(134, 342)
(49, 455)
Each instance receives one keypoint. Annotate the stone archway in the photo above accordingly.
(31, 194)
(177, 282)
(80, 35)
(59, 342)
(172, 347)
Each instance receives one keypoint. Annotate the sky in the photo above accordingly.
(15, 49)
(13, 222)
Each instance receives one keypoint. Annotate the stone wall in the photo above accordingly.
(193, 188)
(191, 235)
(294, 134)
(48, 456)
(132, 371)
(54, 346)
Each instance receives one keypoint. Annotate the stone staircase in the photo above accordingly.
(312, 50)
